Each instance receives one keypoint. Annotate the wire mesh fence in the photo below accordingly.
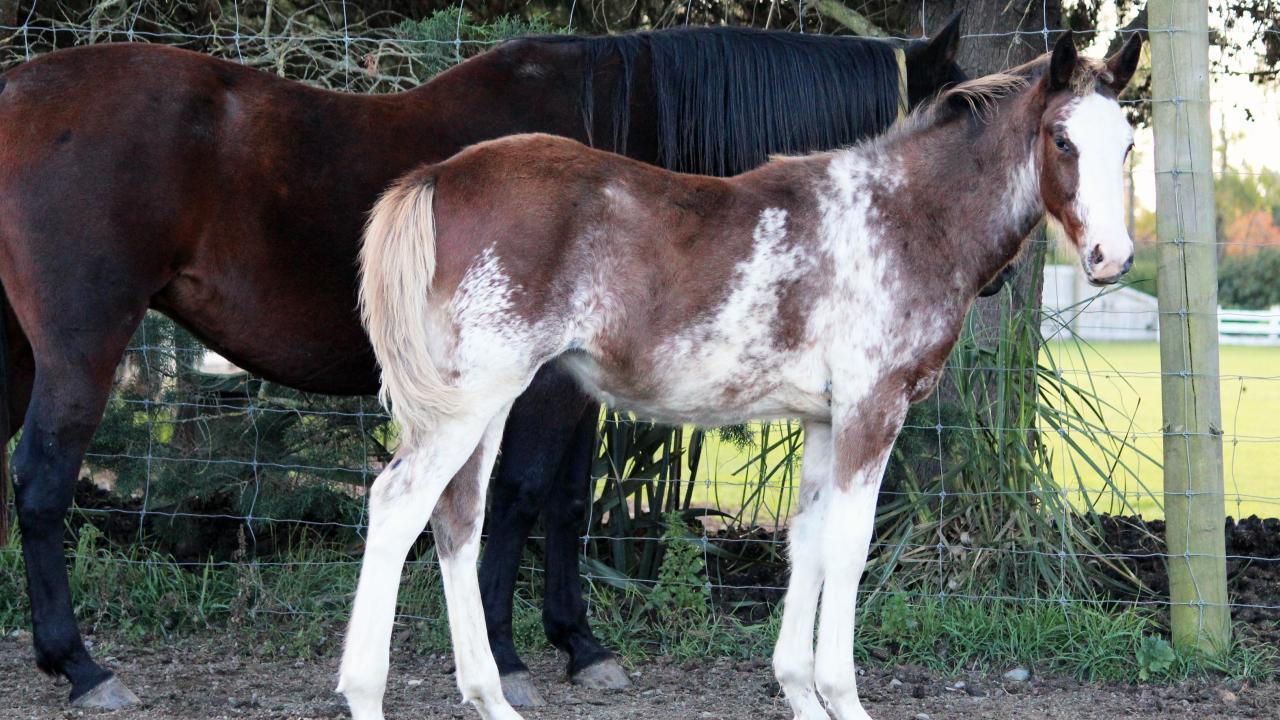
(1033, 475)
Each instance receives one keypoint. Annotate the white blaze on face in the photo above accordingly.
(1101, 135)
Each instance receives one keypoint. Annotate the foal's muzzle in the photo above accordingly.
(1098, 280)
(1101, 269)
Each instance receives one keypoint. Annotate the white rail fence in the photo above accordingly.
(1074, 309)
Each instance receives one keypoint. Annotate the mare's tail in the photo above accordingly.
(397, 265)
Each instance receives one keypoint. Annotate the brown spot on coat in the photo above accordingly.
(454, 519)
(866, 434)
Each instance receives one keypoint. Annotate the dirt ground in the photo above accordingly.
(205, 678)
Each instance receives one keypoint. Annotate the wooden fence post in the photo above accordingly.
(1187, 283)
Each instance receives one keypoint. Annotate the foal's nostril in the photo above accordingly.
(1095, 257)
(1127, 265)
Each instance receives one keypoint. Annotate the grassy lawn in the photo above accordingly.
(1127, 376)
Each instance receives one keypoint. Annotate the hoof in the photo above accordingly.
(604, 675)
(518, 689)
(110, 694)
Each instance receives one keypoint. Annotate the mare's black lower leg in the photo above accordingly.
(539, 429)
(564, 611)
(59, 423)
(75, 342)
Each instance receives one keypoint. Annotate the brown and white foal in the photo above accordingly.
(828, 288)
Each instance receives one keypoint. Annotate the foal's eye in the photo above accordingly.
(1061, 143)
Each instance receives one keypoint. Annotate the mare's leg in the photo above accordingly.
(400, 501)
(76, 343)
(17, 371)
(564, 612)
(539, 429)
(20, 374)
(457, 522)
(862, 445)
(793, 655)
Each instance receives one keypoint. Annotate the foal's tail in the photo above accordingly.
(397, 265)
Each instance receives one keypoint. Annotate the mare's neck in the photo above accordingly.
(514, 88)
(969, 189)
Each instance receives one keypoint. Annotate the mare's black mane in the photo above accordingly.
(793, 93)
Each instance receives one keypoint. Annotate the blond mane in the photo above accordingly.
(982, 94)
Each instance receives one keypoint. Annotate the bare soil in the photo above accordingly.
(1253, 566)
(209, 677)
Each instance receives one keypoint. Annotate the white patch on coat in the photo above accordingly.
(530, 71)
(1096, 125)
(1021, 198)
(733, 351)
(620, 199)
(593, 303)
(862, 282)
(488, 333)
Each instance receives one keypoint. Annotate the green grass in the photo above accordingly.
(1127, 376)
(756, 481)
(296, 606)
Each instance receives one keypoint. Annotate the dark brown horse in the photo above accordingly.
(136, 177)
(829, 288)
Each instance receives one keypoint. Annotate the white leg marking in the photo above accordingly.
(400, 502)
(477, 672)
(846, 537)
(793, 655)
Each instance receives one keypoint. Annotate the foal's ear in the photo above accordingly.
(1122, 65)
(1063, 63)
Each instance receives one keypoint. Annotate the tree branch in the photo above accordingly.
(1137, 24)
(839, 12)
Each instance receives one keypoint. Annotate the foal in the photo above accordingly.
(829, 288)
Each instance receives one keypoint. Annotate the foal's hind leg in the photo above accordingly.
(401, 500)
(457, 522)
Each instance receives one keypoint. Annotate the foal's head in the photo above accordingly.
(1083, 141)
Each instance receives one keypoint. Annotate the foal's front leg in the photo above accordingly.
(793, 655)
(863, 440)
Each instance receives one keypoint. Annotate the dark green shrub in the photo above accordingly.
(1250, 281)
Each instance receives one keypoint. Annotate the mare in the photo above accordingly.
(138, 176)
(829, 287)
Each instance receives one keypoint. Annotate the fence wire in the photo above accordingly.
(257, 457)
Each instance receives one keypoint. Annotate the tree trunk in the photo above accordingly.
(1008, 33)
(9, 13)
(1011, 33)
